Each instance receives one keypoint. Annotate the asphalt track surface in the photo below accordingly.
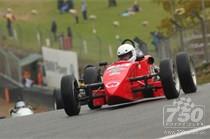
(141, 120)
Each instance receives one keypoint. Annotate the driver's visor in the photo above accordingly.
(126, 56)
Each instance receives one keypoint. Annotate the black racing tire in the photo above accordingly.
(91, 75)
(2, 117)
(87, 66)
(69, 93)
(58, 102)
(168, 76)
(186, 73)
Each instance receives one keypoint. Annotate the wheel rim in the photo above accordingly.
(55, 106)
(193, 73)
(76, 93)
(176, 80)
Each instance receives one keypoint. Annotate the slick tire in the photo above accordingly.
(91, 75)
(69, 93)
(186, 73)
(169, 79)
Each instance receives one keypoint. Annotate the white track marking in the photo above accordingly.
(186, 132)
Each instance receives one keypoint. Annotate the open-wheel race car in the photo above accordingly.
(125, 81)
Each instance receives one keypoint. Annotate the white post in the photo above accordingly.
(85, 47)
(15, 35)
(38, 38)
(110, 51)
(47, 42)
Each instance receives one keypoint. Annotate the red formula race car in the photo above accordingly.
(125, 81)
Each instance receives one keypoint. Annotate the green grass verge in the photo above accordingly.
(27, 25)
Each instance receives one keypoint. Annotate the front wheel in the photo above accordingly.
(70, 92)
(186, 72)
(169, 79)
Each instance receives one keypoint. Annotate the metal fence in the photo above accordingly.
(188, 40)
(9, 65)
(89, 47)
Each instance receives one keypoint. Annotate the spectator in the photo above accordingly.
(156, 38)
(112, 3)
(27, 79)
(60, 4)
(61, 40)
(76, 19)
(64, 8)
(68, 39)
(132, 10)
(54, 29)
(40, 74)
(75, 15)
(136, 7)
(70, 4)
(69, 32)
(84, 9)
(9, 16)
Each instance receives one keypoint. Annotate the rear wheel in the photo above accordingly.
(70, 92)
(91, 75)
(2, 117)
(58, 103)
(186, 72)
(169, 79)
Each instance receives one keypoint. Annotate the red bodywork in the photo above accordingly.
(117, 87)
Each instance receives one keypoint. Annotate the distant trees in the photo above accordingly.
(183, 12)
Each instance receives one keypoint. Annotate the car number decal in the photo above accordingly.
(112, 84)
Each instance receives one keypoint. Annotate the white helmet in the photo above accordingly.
(126, 52)
(20, 104)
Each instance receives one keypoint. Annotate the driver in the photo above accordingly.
(20, 104)
(21, 109)
(128, 52)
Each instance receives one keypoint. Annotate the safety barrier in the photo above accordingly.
(35, 96)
